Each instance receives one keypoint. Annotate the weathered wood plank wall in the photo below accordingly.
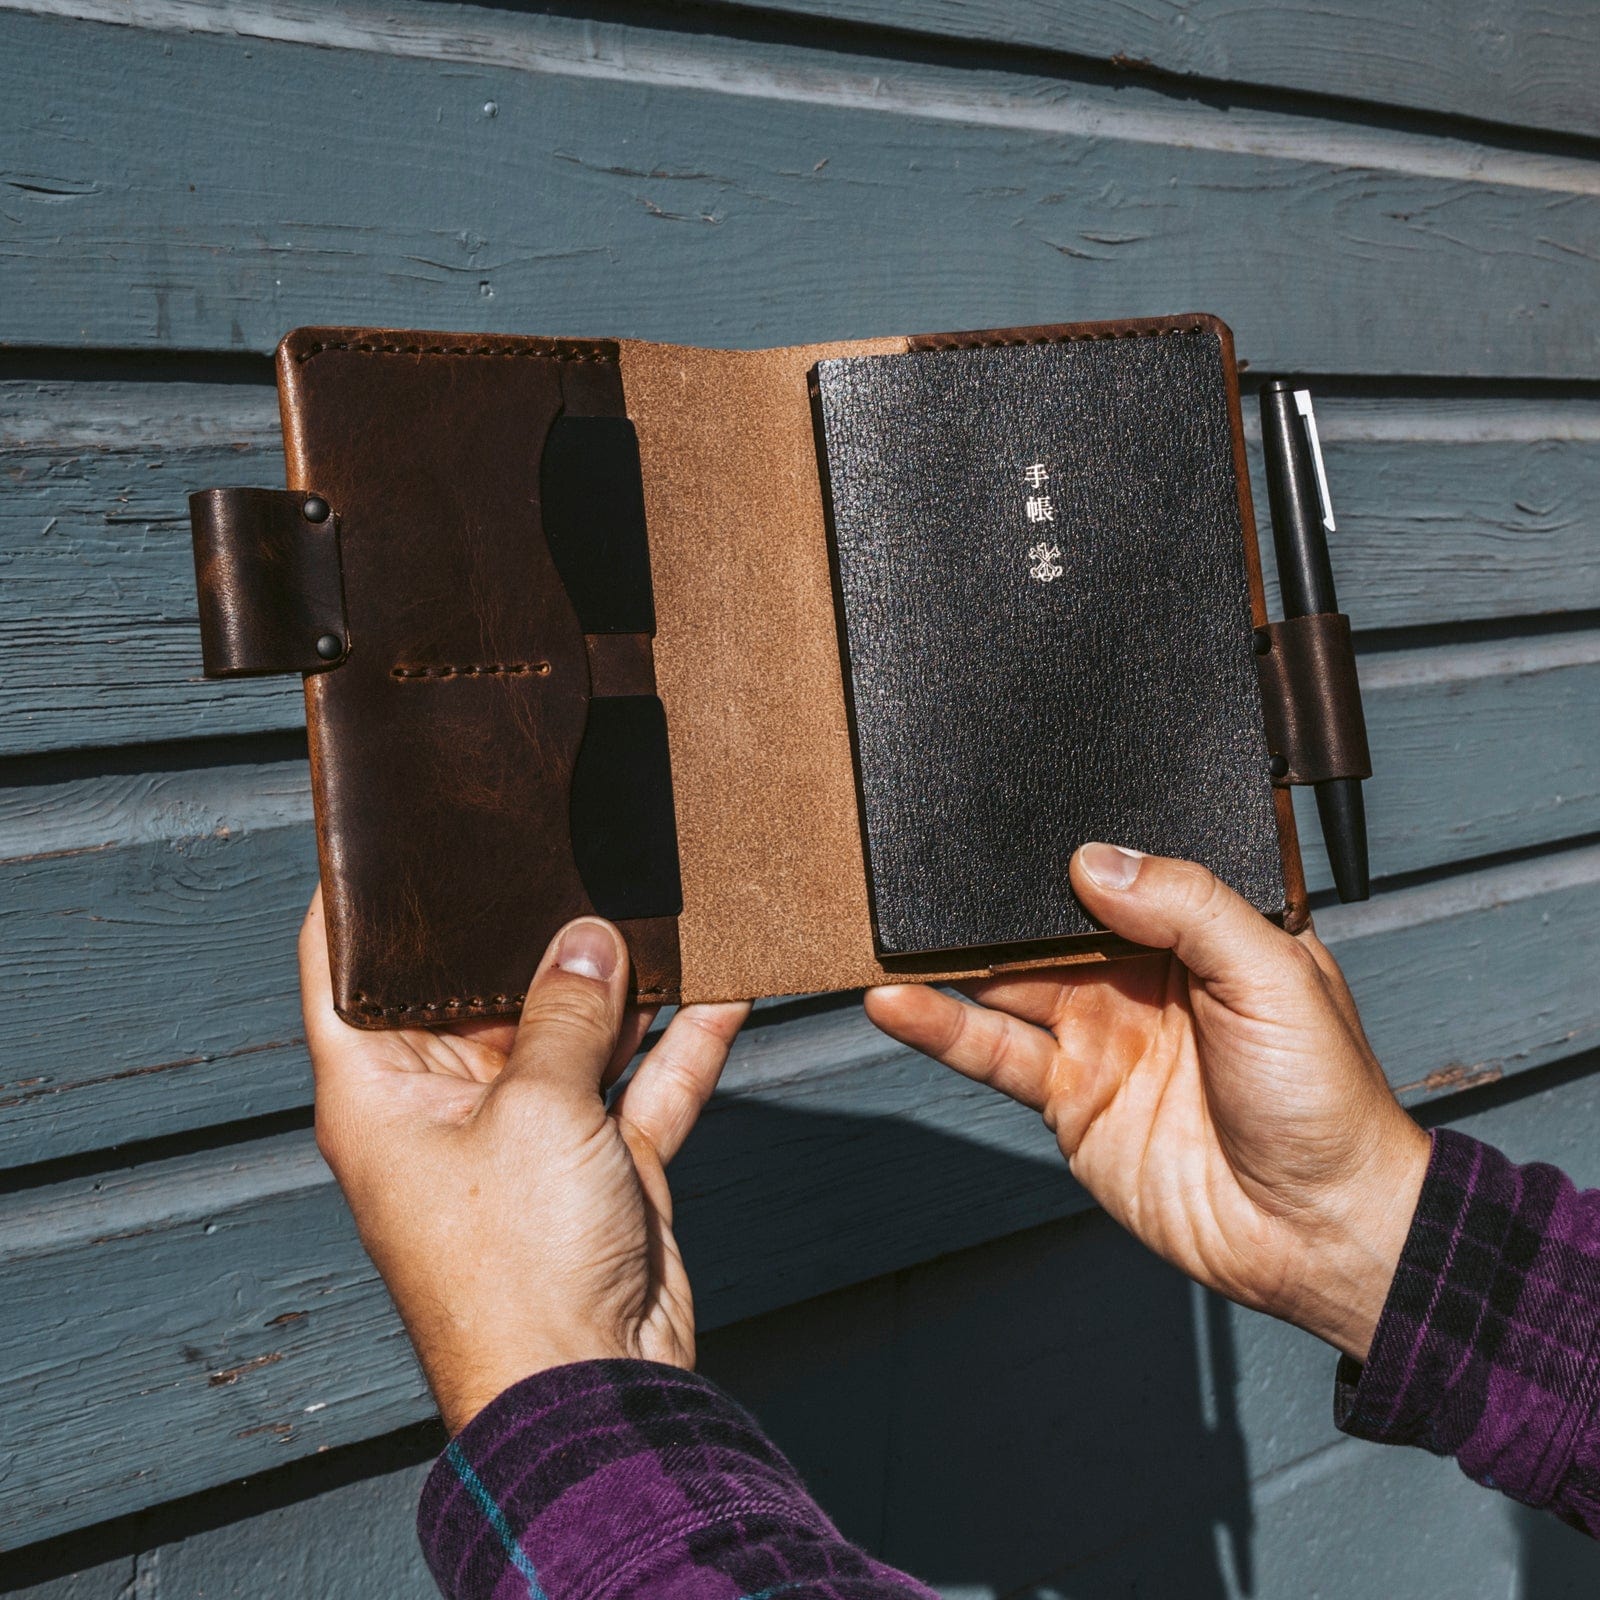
(1401, 199)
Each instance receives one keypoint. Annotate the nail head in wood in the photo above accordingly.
(315, 509)
(330, 646)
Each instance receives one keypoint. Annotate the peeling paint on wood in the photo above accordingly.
(841, 1385)
(1529, 66)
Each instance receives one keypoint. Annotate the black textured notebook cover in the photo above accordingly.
(1046, 622)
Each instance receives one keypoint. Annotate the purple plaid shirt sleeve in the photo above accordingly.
(625, 1479)
(1488, 1348)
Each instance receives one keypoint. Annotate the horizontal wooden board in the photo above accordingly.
(196, 175)
(1448, 511)
(1476, 749)
(1454, 510)
(1202, 1417)
(1529, 66)
(248, 1323)
(545, 174)
(1469, 979)
(148, 923)
(1201, 1426)
(203, 876)
(99, 629)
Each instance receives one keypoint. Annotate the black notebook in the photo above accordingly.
(1045, 620)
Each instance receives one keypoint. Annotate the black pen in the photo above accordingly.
(1302, 518)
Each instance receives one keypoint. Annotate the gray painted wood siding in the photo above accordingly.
(1401, 199)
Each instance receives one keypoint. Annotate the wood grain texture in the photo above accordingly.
(579, 178)
(1471, 978)
(210, 1255)
(203, 876)
(1454, 510)
(1477, 749)
(1448, 511)
(1527, 66)
(148, 921)
(249, 1324)
(1532, 66)
(99, 630)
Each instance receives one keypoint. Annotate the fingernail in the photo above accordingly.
(589, 949)
(1110, 865)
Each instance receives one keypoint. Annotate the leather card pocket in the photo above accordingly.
(592, 507)
(624, 829)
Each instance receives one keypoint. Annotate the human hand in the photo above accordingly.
(1219, 1099)
(518, 1224)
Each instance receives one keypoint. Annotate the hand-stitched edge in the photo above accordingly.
(432, 1010)
(485, 669)
(974, 342)
(542, 350)
(476, 1005)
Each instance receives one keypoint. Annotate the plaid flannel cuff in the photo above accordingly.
(626, 1478)
(1486, 1349)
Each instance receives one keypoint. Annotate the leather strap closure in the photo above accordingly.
(1312, 700)
(271, 594)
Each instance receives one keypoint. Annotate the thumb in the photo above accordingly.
(1179, 906)
(572, 1016)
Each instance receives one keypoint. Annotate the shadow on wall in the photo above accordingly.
(1058, 1416)
(1558, 1562)
(996, 1417)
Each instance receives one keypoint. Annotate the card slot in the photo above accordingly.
(592, 510)
(624, 828)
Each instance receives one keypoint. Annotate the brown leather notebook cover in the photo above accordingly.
(575, 638)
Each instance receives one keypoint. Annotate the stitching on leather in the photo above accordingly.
(508, 351)
(476, 669)
(553, 353)
(473, 1004)
(955, 343)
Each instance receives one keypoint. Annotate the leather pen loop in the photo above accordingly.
(1312, 700)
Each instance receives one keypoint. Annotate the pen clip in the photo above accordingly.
(1302, 404)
